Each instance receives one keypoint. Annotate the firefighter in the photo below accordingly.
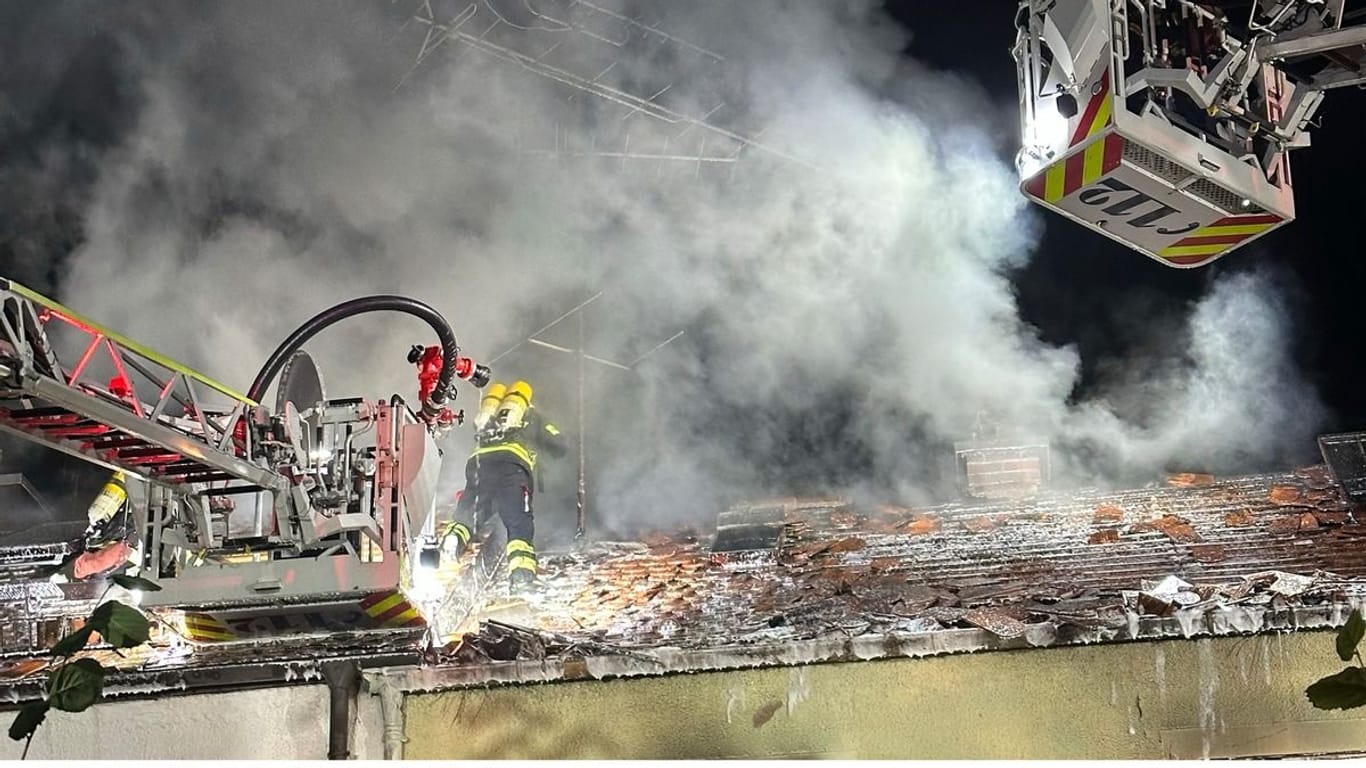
(105, 546)
(500, 477)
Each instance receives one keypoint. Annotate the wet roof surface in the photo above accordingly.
(1074, 563)
(808, 580)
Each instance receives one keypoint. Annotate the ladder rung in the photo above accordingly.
(147, 456)
(210, 477)
(115, 439)
(192, 472)
(146, 451)
(231, 490)
(45, 420)
(184, 468)
(42, 412)
(80, 430)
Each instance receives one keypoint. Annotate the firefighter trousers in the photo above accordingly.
(500, 486)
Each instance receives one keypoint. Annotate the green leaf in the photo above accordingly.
(1345, 690)
(121, 626)
(28, 720)
(135, 582)
(73, 643)
(1349, 637)
(76, 686)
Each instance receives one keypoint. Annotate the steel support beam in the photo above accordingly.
(1313, 44)
(1340, 79)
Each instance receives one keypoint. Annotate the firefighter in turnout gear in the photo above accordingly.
(500, 477)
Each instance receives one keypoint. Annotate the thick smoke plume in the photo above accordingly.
(847, 298)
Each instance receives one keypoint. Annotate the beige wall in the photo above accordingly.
(1236, 696)
(285, 723)
(1112, 701)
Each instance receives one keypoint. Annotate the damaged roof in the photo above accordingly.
(798, 581)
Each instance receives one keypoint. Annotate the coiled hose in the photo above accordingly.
(450, 350)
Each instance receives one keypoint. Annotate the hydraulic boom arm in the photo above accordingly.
(235, 507)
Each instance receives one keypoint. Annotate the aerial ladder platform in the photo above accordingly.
(1167, 125)
(308, 518)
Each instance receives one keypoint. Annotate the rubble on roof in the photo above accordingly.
(1197, 556)
(794, 581)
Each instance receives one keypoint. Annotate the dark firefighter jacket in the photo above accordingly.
(524, 444)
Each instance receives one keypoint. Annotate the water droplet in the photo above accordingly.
(798, 688)
(1187, 620)
(1160, 663)
(1209, 687)
(735, 698)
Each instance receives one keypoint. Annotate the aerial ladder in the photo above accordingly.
(253, 520)
(1166, 125)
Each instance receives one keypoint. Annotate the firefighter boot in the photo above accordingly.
(521, 580)
(521, 566)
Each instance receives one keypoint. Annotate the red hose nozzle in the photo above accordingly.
(468, 370)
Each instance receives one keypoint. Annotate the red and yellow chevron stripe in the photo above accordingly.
(1213, 239)
(206, 629)
(391, 609)
(1079, 169)
(1097, 116)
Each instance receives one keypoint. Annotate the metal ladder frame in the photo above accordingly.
(48, 401)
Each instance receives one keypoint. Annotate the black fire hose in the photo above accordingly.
(452, 363)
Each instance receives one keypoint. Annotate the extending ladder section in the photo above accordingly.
(149, 419)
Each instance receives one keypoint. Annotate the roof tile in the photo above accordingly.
(1060, 558)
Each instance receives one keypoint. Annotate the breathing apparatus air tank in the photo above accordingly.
(493, 396)
(111, 499)
(512, 411)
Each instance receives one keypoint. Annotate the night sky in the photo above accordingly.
(1083, 288)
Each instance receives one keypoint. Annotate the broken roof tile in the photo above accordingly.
(981, 523)
(842, 571)
(1108, 513)
(1189, 479)
(1293, 523)
(1285, 494)
(1178, 529)
(996, 621)
(1330, 517)
(1104, 536)
(923, 525)
(850, 544)
(1208, 553)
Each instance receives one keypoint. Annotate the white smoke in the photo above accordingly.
(1227, 396)
(849, 313)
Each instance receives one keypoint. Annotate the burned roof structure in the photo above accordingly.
(796, 581)
(799, 581)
